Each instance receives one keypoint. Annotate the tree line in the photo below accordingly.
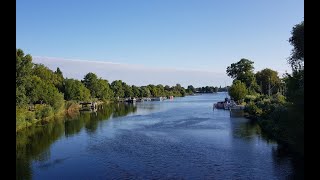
(41, 92)
(276, 103)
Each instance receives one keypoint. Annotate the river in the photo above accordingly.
(182, 138)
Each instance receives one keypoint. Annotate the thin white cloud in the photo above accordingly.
(135, 74)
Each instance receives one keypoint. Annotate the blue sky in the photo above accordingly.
(205, 35)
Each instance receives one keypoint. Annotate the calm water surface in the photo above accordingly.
(180, 139)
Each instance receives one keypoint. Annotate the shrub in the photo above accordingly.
(43, 111)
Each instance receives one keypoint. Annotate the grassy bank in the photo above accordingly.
(28, 116)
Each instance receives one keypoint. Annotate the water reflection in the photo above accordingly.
(181, 138)
(34, 143)
(249, 130)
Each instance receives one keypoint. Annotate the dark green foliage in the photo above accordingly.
(75, 90)
(238, 90)
(297, 41)
(117, 89)
(295, 87)
(127, 90)
(237, 70)
(153, 90)
(243, 71)
(99, 88)
(60, 79)
(43, 111)
(136, 91)
(145, 92)
(160, 89)
(90, 81)
(21, 98)
(23, 67)
(47, 75)
(104, 91)
(266, 76)
(191, 90)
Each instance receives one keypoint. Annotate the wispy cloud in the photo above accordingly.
(135, 74)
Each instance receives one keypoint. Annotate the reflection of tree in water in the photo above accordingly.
(121, 109)
(248, 130)
(148, 106)
(90, 119)
(34, 142)
(281, 155)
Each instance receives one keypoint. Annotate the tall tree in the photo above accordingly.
(238, 90)
(23, 66)
(136, 91)
(47, 75)
(191, 89)
(295, 82)
(117, 88)
(60, 79)
(40, 91)
(145, 92)
(104, 91)
(160, 89)
(237, 70)
(268, 77)
(127, 90)
(297, 41)
(90, 81)
(243, 71)
(75, 90)
(153, 90)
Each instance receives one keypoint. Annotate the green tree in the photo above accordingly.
(99, 88)
(297, 41)
(127, 90)
(291, 125)
(91, 82)
(47, 75)
(237, 70)
(190, 88)
(238, 90)
(243, 71)
(266, 76)
(136, 91)
(145, 92)
(60, 79)
(103, 90)
(75, 90)
(178, 90)
(41, 92)
(21, 98)
(23, 67)
(153, 90)
(117, 88)
(167, 88)
(160, 89)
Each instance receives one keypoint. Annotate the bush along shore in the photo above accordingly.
(277, 104)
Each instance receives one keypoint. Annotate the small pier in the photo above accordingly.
(88, 106)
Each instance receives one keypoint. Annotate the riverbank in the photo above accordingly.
(280, 120)
(26, 117)
(40, 113)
